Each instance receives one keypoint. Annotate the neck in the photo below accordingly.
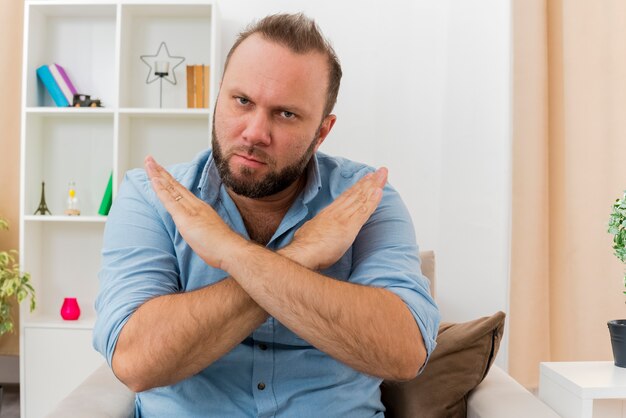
(277, 204)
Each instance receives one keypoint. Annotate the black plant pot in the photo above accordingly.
(0, 399)
(617, 329)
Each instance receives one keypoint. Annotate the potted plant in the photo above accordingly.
(617, 327)
(14, 285)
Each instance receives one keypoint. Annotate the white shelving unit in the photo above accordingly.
(99, 43)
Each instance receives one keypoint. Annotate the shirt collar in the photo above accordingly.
(210, 181)
(313, 182)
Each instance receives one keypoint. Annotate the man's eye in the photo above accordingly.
(242, 100)
(287, 114)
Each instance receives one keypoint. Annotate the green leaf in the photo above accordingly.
(13, 284)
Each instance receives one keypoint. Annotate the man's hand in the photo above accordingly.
(320, 242)
(201, 227)
(317, 245)
(334, 316)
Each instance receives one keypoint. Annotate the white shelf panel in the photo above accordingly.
(52, 218)
(71, 111)
(169, 8)
(151, 8)
(74, 8)
(49, 321)
(178, 113)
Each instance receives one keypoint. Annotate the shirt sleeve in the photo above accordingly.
(385, 254)
(138, 261)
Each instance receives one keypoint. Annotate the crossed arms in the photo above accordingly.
(171, 337)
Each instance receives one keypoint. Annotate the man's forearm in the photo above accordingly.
(175, 336)
(369, 329)
(172, 337)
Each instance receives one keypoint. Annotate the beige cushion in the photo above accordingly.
(428, 268)
(461, 360)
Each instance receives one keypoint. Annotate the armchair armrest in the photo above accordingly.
(101, 395)
(499, 395)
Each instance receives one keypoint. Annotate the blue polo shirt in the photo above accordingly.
(144, 256)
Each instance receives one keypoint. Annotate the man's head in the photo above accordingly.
(279, 86)
(300, 35)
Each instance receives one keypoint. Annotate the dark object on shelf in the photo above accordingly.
(43, 207)
(85, 100)
(159, 68)
(617, 330)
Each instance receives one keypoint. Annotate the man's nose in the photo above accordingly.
(258, 129)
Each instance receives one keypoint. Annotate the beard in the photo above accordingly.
(274, 182)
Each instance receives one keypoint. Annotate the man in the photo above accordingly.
(264, 278)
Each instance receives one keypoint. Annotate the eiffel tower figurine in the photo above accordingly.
(43, 207)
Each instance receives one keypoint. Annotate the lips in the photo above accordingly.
(249, 158)
(247, 161)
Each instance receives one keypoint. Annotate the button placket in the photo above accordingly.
(263, 369)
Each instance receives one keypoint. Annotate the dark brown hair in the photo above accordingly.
(300, 35)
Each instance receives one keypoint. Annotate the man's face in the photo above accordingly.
(268, 118)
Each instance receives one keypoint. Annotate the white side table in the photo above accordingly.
(584, 389)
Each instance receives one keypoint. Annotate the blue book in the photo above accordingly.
(53, 88)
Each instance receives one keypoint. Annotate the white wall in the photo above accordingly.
(427, 93)
(475, 171)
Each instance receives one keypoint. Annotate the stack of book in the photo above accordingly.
(55, 79)
(197, 86)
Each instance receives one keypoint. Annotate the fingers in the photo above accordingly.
(168, 190)
(356, 204)
(380, 176)
(366, 195)
(368, 189)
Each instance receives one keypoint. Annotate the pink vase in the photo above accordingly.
(70, 310)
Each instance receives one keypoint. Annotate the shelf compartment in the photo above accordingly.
(185, 28)
(63, 260)
(81, 38)
(60, 149)
(170, 139)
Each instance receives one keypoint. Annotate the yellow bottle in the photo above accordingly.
(72, 200)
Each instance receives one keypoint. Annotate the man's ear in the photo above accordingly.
(325, 128)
